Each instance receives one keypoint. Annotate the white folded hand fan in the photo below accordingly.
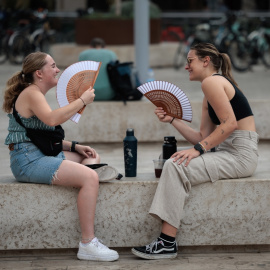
(168, 96)
(74, 80)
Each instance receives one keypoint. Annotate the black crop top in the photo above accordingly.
(240, 105)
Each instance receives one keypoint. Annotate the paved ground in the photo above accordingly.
(186, 261)
(256, 86)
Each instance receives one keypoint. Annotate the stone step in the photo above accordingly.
(227, 212)
(108, 121)
(67, 54)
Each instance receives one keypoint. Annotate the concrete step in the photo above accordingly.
(68, 53)
(108, 121)
(228, 212)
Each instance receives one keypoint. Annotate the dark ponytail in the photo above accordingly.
(220, 61)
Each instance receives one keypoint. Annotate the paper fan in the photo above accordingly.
(74, 80)
(168, 96)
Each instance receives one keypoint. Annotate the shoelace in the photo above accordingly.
(154, 244)
(98, 243)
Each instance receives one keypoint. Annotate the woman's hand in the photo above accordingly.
(88, 96)
(187, 155)
(161, 114)
(86, 151)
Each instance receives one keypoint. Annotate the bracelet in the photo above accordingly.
(82, 101)
(172, 120)
(202, 147)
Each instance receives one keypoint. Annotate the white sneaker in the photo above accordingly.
(96, 251)
(106, 173)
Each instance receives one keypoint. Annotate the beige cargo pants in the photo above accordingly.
(236, 157)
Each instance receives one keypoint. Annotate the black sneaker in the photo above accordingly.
(158, 249)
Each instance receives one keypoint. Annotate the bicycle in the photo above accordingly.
(259, 40)
(176, 34)
(25, 40)
(234, 42)
(204, 32)
(226, 34)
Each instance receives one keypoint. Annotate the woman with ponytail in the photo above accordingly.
(225, 147)
(25, 100)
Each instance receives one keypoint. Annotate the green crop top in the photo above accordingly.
(239, 102)
(17, 134)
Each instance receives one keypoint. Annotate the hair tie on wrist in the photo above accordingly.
(172, 120)
(82, 101)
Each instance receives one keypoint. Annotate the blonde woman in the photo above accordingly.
(227, 124)
(25, 93)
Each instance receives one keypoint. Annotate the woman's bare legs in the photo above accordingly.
(168, 229)
(77, 175)
(74, 156)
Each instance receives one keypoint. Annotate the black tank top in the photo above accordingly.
(239, 102)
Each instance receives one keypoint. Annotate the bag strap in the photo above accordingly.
(16, 116)
(19, 121)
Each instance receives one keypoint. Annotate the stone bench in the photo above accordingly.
(227, 212)
(107, 121)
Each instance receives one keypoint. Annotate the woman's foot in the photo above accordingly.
(158, 249)
(96, 251)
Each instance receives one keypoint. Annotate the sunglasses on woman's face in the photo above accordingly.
(189, 60)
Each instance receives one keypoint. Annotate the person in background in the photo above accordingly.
(97, 52)
(227, 124)
(25, 92)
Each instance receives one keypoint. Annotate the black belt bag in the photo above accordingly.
(49, 142)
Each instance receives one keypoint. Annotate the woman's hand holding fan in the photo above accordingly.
(170, 98)
(75, 82)
(88, 96)
(162, 115)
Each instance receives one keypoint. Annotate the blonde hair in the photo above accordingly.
(220, 61)
(22, 79)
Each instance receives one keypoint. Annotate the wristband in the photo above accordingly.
(199, 148)
(72, 147)
(172, 120)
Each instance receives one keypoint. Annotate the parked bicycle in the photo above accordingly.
(176, 34)
(234, 41)
(230, 35)
(259, 41)
(27, 38)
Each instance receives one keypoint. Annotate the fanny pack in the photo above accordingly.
(49, 142)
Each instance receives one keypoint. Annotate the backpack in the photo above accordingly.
(124, 81)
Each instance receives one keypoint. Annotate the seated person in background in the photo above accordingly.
(103, 88)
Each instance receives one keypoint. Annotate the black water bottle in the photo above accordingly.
(130, 153)
(169, 147)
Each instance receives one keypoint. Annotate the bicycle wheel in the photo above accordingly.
(238, 51)
(179, 57)
(19, 48)
(265, 54)
(3, 50)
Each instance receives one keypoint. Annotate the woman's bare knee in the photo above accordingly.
(76, 175)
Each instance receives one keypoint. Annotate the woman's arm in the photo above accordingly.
(83, 150)
(191, 135)
(38, 106)
(214, 91)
